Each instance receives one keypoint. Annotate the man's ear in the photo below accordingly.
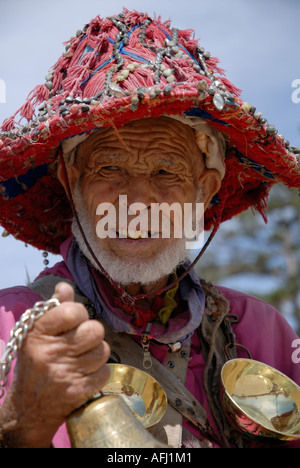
(73, 174)
(210, 180)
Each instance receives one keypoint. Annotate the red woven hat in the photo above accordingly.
(114, 71)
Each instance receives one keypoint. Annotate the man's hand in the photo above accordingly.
(61, 364)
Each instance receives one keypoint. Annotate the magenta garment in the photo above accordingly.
(260, 328)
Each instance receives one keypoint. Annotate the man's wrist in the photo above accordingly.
(17, 432)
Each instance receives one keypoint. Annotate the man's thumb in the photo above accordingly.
(64, 292)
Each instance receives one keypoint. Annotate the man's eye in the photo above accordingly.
(163, 172)
(111, 168)
(105, 169)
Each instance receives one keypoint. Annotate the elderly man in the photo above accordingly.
(134, 111)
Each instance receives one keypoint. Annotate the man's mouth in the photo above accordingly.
(124, 233)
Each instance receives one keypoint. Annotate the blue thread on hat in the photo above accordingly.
(248, 162)
(195, 112)
(17, 185)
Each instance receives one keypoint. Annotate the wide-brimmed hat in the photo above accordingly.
(113, 71)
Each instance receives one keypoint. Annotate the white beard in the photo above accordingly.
(130, 270)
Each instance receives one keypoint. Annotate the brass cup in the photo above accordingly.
(140, 391)
(262, 402)
(117, 418)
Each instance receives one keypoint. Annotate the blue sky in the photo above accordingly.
(257, 42)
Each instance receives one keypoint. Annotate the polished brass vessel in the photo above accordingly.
(260, 401)
(141, 392)
(130, 402)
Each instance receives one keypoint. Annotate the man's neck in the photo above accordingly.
(136, 288)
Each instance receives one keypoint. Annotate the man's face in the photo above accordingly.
(150, 161)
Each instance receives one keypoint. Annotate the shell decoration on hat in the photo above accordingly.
(116, 70)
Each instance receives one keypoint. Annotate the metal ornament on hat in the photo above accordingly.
(45, 261)
(45, 254)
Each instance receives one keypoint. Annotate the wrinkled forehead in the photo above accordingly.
(186, 136)
(153, 132)
(161, 138)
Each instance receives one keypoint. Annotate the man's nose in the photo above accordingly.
(140, 190)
